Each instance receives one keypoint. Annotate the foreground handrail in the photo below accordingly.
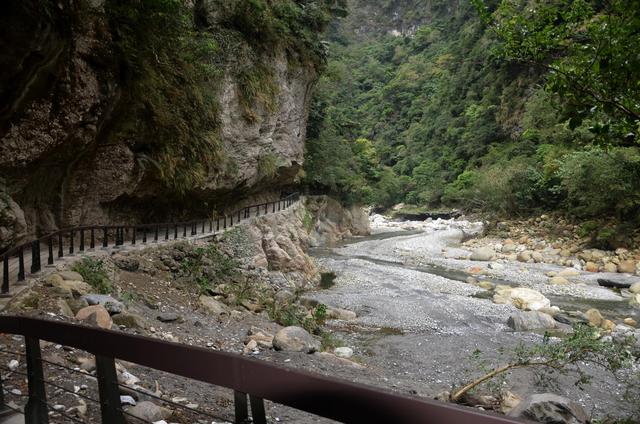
(317, 394)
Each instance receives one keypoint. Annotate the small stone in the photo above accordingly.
(70, 275)
(110, 304)
(594, 316)
(487, 285)
(295, 339)
(87, 364)
(608, 325)
(471, 280)
(558, 281)
(126, 263)
(591, 267)
(212, 306)
(550, 408)
(630, 321)
(13, 365)
(495, 266)
(149, 412)
(482, 254)
(610, 267)
(628, 266)
(635, 288)
(569, 272)
(127, 400)
(343, 352)
(15, 392)
(524, 256)
(341, 314)
(129, 320)
(531, 320)
(58, 407)
(168, 317)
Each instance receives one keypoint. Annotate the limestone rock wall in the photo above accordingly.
(60, 89)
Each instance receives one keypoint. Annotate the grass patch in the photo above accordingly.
(93, 272)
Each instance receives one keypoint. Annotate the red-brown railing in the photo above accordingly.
(327, 397)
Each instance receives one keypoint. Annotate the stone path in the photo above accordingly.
(183, 232)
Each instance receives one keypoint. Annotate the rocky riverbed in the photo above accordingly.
(427, 299)
(404, 309)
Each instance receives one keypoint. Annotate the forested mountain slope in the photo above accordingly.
(420, 105)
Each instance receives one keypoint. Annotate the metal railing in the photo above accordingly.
(69, 241)
(248, 378)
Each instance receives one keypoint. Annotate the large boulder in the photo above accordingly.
(95, 314)
(550, 408)
(531, 320)
(482, 254)
(521, 297)
(295, 339)
(212, 306)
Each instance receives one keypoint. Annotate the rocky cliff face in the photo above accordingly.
(72, 150)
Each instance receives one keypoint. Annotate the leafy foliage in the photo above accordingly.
(93, 272)
(592, 52)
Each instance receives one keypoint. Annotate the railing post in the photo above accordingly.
(240, 407)
(82, 240)
(217, 224)
(20, 264)
(166, 233)
(5, 274)
(35, 412)
(257, 410)
(92, 242)
(194, 228)
(184, 231)
(175, 236)
(71, 237)
(203, 222)
(238, 216)
(105, 237)
(155, 233)
(274, 207)
(34, 256)
(108, 390)
(134, 235)
(225, 222)
(231, 224)
(60, 246)
(50, 247)
(211, 225)
(144, 235)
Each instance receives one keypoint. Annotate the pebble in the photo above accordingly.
(15, 392)
(13, 365)
(127, 400)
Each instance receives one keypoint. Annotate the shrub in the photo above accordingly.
(93, 272)
(598, 182)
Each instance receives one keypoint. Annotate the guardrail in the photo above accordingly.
(52, 247)
(327, 397)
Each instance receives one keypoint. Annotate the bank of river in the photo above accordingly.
(419, 322)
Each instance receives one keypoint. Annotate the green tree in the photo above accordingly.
(591, 50)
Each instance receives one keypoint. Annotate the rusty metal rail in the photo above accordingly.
(27, 258)
(313, 393)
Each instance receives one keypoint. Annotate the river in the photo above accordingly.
(419, 323)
